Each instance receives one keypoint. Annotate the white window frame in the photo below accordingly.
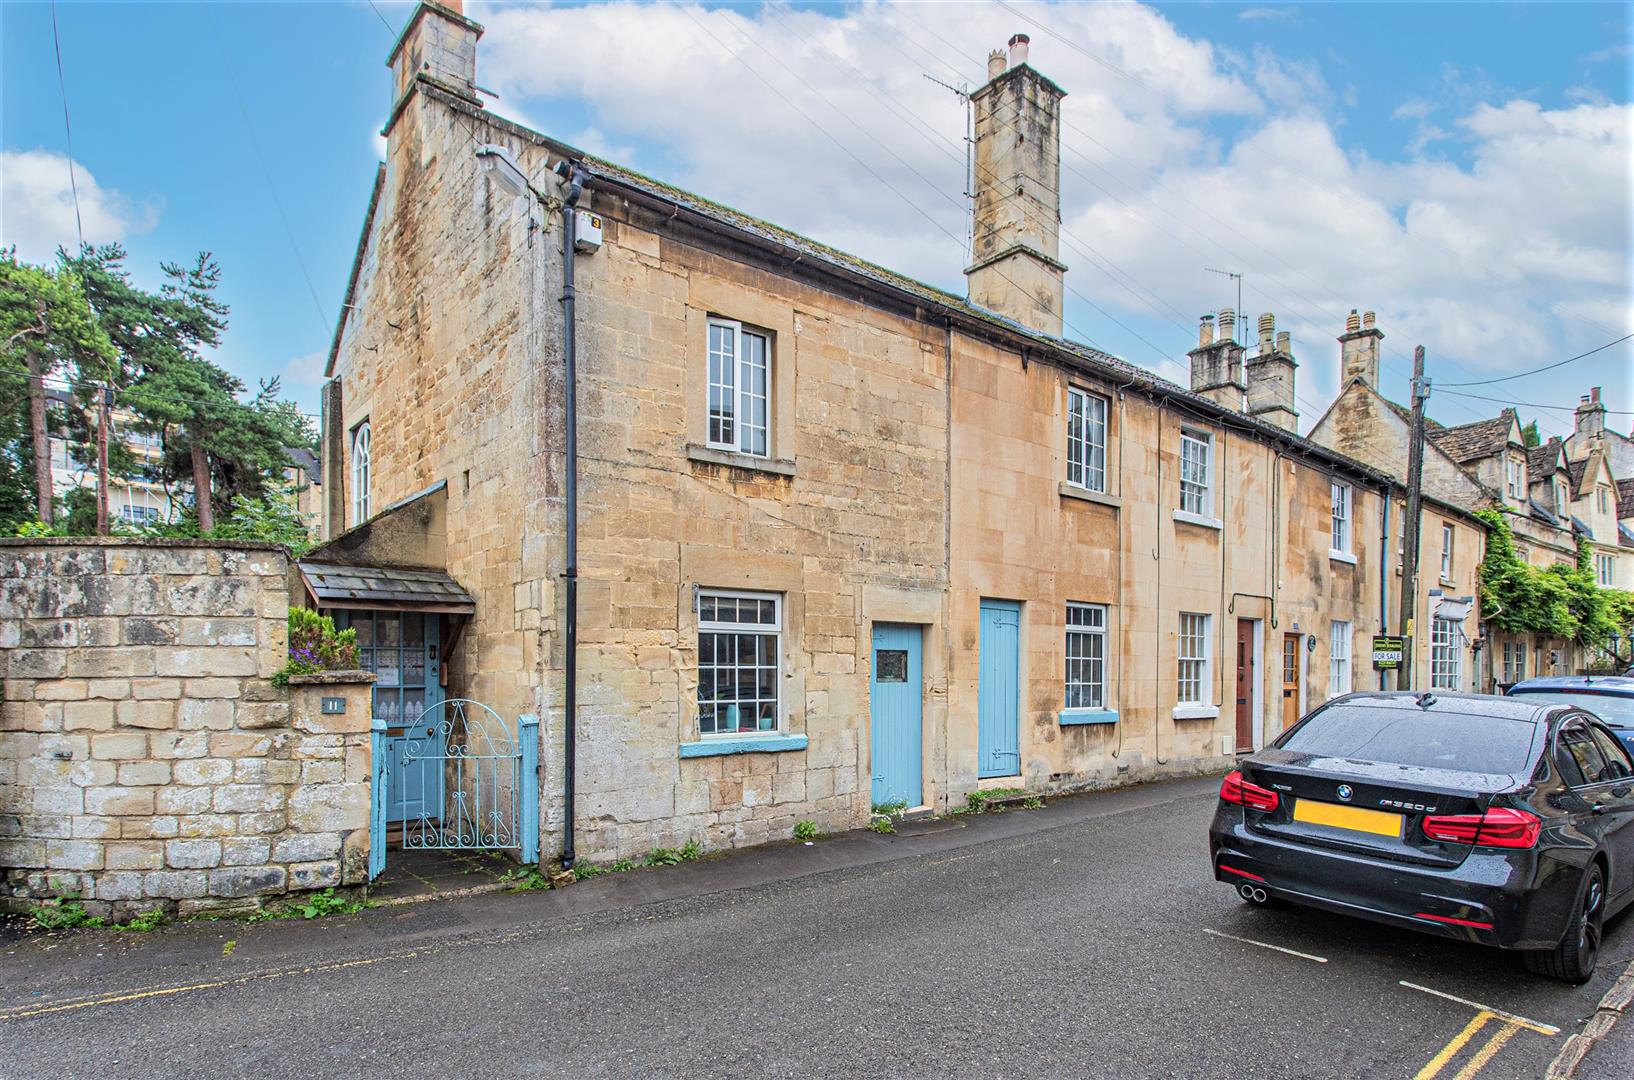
(1341, 495)
(1194, 660)
(1563, 499)
(1446, 655)
(1341, 679)
(735, 629)
(362, 456)
(1605, 569)
(727, 381)
(1448, 538)
(1515, 478)
(1085, 669)
(1086, 439)
(1514, 661)
(1196, 473)
(1601, 502)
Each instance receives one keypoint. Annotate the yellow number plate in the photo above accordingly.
(1353, 818)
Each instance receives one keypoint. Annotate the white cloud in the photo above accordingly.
(37, 206)
(1262, 14)
(1178, 156)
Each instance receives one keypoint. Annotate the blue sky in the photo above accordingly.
(1462, 168)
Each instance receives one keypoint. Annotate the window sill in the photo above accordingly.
(1197, 519)
(1196, 712)
(1342, 556)
(1072, 717)
(1073, 491)
(708, 455)
(743, 744)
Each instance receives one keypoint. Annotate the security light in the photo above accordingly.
(502, 169)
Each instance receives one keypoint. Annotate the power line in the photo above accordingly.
(68, 128)
(383, 21)
(1537, 371)
(1530, 404)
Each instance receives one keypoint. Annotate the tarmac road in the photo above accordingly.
(1084, 939)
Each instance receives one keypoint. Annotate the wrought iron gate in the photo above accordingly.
(458, 778)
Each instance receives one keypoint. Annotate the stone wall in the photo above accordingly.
(146, 759)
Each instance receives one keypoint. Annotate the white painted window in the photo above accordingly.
(1086, 656)
(360, 473)
(1194, 660)
(1341, 517)
(1515, 477)
(1196, 473)
(1514, 661)
(1605, 569)
(1446, 552)
(1446, 657)
(1339, 674)
(740, 388)
(1602, 499)
(1086, 440)
(1563, 504)
(739, 662)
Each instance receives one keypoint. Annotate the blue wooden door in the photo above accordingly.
(895, 698)
(998, 690)
(401, 649)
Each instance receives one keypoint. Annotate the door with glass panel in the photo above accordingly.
(401, 649)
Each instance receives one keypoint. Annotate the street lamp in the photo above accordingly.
(502, 169)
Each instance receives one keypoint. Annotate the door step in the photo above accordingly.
(918, 813)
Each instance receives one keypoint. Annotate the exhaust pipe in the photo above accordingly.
(1252, 893)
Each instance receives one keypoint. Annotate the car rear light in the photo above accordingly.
(1234, 789)
(1450, 921)
(1498, 827)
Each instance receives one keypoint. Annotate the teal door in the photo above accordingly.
(895, 698)
(998, 690)
(401, 649)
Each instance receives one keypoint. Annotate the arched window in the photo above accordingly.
(360, 473)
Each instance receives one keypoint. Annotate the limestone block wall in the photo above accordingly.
(146, 759)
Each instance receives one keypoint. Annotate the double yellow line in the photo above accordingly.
(1508, 1027)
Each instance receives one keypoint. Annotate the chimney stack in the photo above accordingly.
(1270, 377)
(439, 43)
(1015, 269)
(1359, 350)
(1589, 424)
(1217, 364)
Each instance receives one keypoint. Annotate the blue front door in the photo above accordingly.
(401, 649)
(894, 716)
(998, 690)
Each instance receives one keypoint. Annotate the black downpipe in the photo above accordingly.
(576, 178)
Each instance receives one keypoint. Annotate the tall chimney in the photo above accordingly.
(1015, 268)
(1359, 350)
(1589, 424)
(439, 43)
(1217, 364)
(1270, 377)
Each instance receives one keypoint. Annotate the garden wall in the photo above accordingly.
(146, 757)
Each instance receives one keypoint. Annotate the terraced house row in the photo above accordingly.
(838, 538)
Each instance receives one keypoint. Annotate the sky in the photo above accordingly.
(1462, 169)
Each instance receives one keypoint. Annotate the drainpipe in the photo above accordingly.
(576, 176)
(1386, 561)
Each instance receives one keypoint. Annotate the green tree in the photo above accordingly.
(47, 327)
(1530, 436)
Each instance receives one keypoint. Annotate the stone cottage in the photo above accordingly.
(840, 539)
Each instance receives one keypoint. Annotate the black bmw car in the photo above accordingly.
(1504, 821)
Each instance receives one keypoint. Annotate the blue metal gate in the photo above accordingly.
(464, 779)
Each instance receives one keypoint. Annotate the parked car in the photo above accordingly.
(1609, 697)
(1498, 820)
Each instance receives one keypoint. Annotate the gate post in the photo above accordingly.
(528, 782)
(378, 796)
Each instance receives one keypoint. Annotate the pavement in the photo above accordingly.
(1084, 939)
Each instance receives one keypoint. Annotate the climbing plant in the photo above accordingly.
(1561, 601)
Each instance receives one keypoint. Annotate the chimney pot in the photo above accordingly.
(1018, 49)
(1353, 322)
(1205, 332)
(1367, 320)
(995, 64)
(1285, 342)
(1594, 393)
(1268, 331)
(1228, 323)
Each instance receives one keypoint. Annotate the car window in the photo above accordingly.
(1570, 771)
(1614, 709)
(1579, 744)
(1431, 739)
(1617, 763)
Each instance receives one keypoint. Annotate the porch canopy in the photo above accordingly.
(384, 588)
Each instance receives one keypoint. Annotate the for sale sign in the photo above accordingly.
(1388, 652)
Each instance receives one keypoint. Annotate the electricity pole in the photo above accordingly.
(103, 396)
(1410, 530)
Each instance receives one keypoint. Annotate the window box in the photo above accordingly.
(708, 455)
(743, 744)
(1196, 712)
(1074, 717)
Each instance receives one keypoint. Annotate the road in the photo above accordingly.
(1083, 939)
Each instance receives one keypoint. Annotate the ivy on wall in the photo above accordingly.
(1561, 601)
